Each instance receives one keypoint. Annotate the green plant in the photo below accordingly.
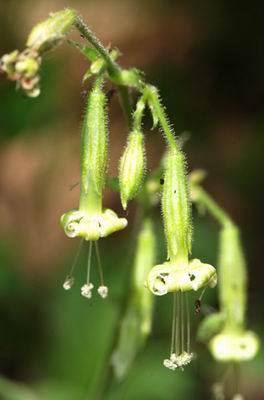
(228, 340)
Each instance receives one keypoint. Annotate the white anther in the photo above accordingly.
(103, 291)
(68, 284)
(86, 290)
(169, 364)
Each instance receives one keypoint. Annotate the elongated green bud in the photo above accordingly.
(48, 34)
(132, 165)
(94, 141)
(176, 206)
(137, 321)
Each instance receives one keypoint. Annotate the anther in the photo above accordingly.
(86, 290)
(103, 291)
(69, 280)
(68, 283)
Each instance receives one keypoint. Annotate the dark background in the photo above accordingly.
(207, 59)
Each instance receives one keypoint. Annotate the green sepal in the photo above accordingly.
(94, 141)
(176, 206)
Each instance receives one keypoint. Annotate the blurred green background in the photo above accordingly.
(207, 59)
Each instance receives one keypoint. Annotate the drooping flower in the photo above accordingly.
(178, 275)
(90, 221)
(225, 331)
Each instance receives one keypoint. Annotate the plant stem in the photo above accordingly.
(160, 113)
(203, 198)
(139, 112)
(113, 68)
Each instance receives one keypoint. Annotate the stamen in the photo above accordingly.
(69, 280)
(89, 261)
(68, 283)
(182, 321)
(198, 302)
(99, 264)
(188, 346)
(202, 293)
(177, 330)
(86, 290)
(180, 354)
(173, 324)
(102, 290)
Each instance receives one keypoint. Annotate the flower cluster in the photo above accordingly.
(23, 67)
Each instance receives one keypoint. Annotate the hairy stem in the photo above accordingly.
(113, 68)
(158, 109)
(203, 198)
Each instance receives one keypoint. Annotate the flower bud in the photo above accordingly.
(131, 168)
(47, 34)
(176, 206)
(94, 140)
(137, 321)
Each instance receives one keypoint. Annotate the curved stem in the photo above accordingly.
(159, 111)
(203, 198)
(113, 68)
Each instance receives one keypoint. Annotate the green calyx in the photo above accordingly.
(94, 140)
(180, 277)
(176, 206)
(232, 276)
(49, 33)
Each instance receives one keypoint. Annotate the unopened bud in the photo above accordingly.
(132, 165)
(48, 34)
